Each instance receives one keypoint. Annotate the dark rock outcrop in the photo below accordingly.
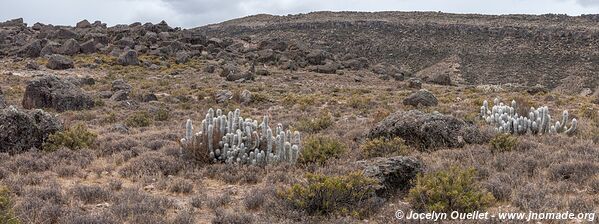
(421, 98)
(128, 58)
(393, 174)
(49, 91)
(59, 62)
(427, 131)
(23, 130)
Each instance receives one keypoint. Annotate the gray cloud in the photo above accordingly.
(191, 13)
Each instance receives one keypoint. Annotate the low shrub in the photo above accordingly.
(6, 214)
(319, 149)
(454, 189)
(503, 143)
(352, 194)
(316, 124)
(139, 119)
(75, 138)
(382, 147)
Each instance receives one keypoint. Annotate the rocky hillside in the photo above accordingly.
(556, 51)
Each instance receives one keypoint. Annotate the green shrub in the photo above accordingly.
(318, 149)
(139, 119)
(503, 143)
(6, 214)
(162, 114)
(454, 189)
(352, 194)
(316, 124)
(381, 147)
(75, 137)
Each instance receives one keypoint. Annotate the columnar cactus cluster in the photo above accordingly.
(234, 140)
(538, 121)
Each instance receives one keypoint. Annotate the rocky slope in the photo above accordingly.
(553, 50)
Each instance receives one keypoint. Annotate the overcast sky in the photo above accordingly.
(193, 13)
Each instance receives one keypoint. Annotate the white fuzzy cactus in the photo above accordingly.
(505, 119)
(232, 139)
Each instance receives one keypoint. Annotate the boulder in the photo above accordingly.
(427, 131)
(317, 57)
(182, 57)
(83, 24)
(223, 96)
(49, 91)
(385, 69)
(120, 95)
(25, 129)
(421, 98)
(393, 174)
(414, 83)
(31, 50)
(89, 47)
(70, 47)
(59, 62)
(128, 58)
(356, 63)
(439, 79)
(245, 97)
(149, 97)
(120, 84)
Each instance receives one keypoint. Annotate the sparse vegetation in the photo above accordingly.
(74, 138)
(503, 143)
(319, 149)
(381, 147)
(6, 214)
(139, 119)
(352, 194)
(314, 125)
(454, 189)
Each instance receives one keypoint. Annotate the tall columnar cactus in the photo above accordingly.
(232, 139)
(538, 121)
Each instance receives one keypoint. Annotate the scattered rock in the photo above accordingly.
(421, 98)
(105, 94)
(393, 174)
(537, 89)
(23, 130)
(84, 24)
(120, 128)
(49, 91)
(210, 68)
(317, 57)
(120, 84)
(31, 50)
(414, 83)
(120, 95)
(245, 97)
(59, 62)
(32, 65)
(128, 58)
(149, 97)
(223, 96)
(182, 57)
(262, 72)
(70, 47)
(427, 130)
(439, 79)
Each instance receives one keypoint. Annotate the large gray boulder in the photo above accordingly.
(128, 58)
(49, 91)
(427, 131)
(59, 62)
(31, 50)
(393, 174)
(23, 130)
(70, 47)
(421, 98)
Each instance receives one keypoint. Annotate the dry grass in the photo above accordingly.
(142, 178)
